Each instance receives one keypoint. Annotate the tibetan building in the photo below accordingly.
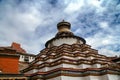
(12, 60)
(68, 57)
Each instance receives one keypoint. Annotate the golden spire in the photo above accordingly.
(63, 26)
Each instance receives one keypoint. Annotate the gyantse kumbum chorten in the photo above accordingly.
(68, 57)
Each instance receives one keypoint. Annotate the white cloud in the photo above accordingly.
(28, 21)
(104, 25)
(73, 6)
(32, 23)
(35, 45)
(108, 52)
(100, 40)
(95, 40)
(95, 3)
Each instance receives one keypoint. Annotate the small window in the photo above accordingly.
(26, 59)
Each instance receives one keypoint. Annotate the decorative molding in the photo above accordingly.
(74, 72)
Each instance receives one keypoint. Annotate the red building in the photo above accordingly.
(9, 60)
(10, 64)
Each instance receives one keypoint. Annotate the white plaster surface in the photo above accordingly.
(83, 66)
(113, 77)
(39, 62)
(97, 65)
(31, 71)
(22, 57)
(69, 41)
(56, 78)
(103, 77)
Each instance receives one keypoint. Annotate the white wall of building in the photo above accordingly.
(31, 58)
(113, 77)
(31, 71)
(69, 66)
(103, 77)
(83, 66)
(52, 60)
(43, 69)
(70, 57)
(96, 65)
(94, 78)
(80, 57)
(80, 78)
(39, 62)
(69, 41)
(64, 65)
(71, 78)
(22, 57)
(50, 68)
(56, 78)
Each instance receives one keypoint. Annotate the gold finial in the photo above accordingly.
(63, 26)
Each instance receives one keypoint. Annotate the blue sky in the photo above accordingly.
(32, 22)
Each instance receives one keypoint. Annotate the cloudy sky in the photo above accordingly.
(32, 22)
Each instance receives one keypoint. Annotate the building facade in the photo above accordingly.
(24, 56)
(68, 57)
(7, 61)
(11, 62)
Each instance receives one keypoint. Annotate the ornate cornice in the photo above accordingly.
(72, 51)
(105, 63)
(74, 72)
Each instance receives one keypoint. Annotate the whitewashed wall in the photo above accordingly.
(83, 66)
(61, 41)
(104, 77)
(31, 71)
(31, 58)
(113, 77)
(56, 78)
(22, 57)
